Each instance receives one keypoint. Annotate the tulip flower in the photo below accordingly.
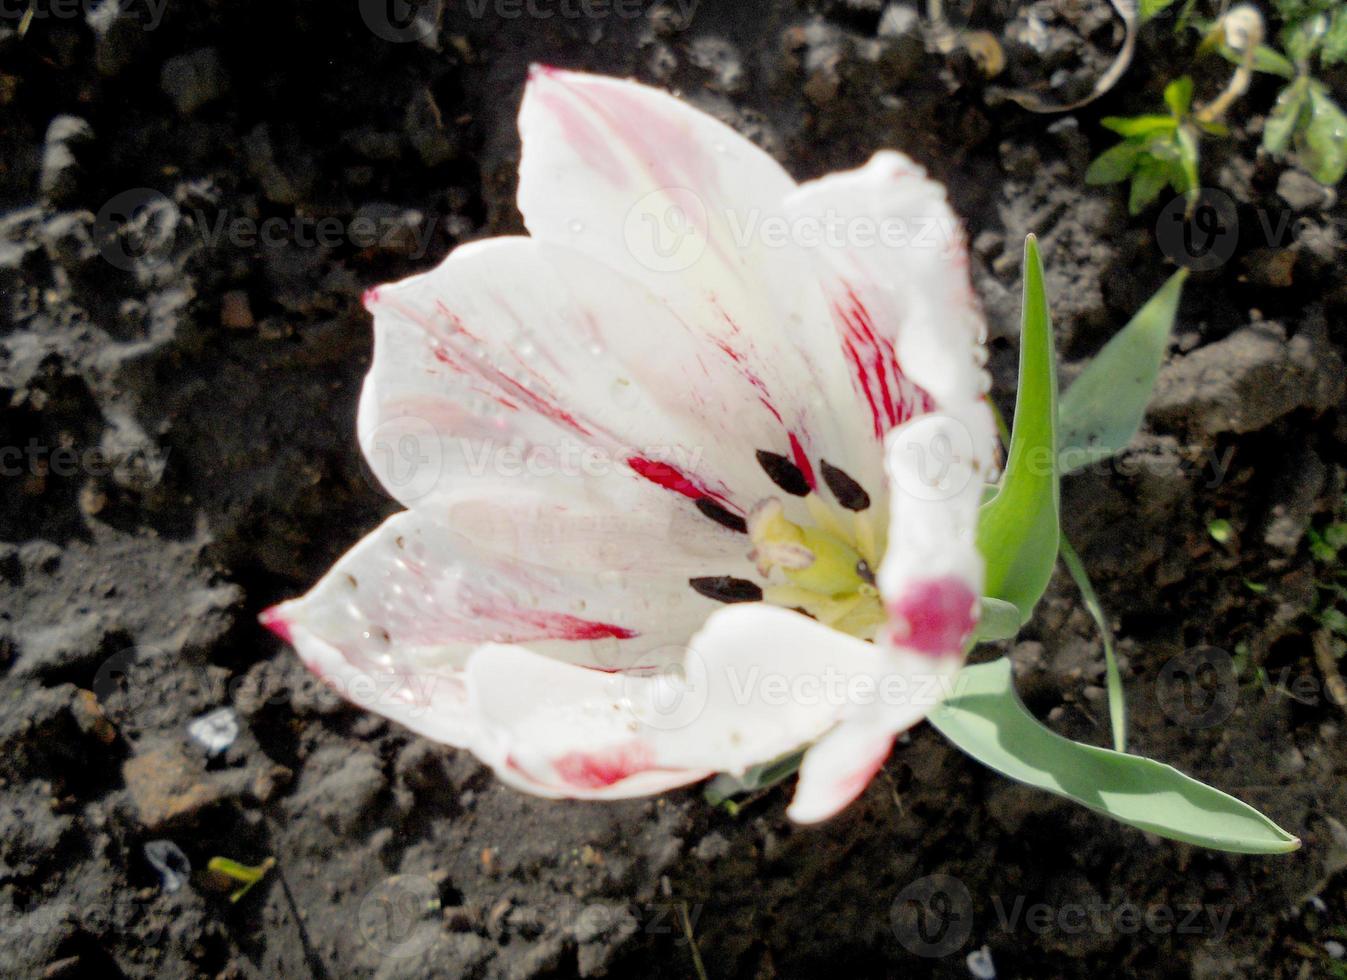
(692, 471)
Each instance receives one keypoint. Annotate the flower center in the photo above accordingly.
(828, 566)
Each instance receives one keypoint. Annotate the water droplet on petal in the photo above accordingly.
(576, 226)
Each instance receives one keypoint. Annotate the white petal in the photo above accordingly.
(757, 683)
(392, 623)
(932, 573)
(532, 362)
(684, 204)
(897, 281)
(837, 769)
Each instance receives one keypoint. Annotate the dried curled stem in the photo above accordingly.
(1328, 666)
(1243, 27)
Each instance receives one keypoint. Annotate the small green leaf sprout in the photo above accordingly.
(1305, 118)
(1161, 150)
(246, 875)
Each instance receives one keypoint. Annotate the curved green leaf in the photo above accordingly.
(1324, 145)
(1114, 164)
(1103, 408)
(1117, 702)
(986, 719)
(1018, 529)
(1286, 117)
(1131, 126)
(1179, 95)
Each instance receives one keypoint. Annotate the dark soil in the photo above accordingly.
(177, 407)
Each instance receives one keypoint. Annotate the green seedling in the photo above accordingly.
(1305, 118)
(245, 874)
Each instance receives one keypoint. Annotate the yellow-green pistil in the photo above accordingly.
(828, 566)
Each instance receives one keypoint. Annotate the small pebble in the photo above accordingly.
(980, 964)
(1335, 949)
(167, 858)
(216, 730)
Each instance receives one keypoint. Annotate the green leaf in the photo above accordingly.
(1184, 180)
(1114, 164)
(1151, 177)
(999, 621)
(1103, 408)
(1324, 143)
(1117, 701)
(1179, 96)
(1266, 59)
(721, 790)
(1302, 38)
(1139, 125)
(1286, 117)
(1018, 529)
(1334, 48)
(986, 719)
(1149, 8)
(249, 875)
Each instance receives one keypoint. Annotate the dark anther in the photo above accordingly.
(724, 588)
(848, 492)
(721, 516)
(784, 473)
(863, 570)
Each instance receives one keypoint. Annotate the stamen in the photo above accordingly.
(826, 518)
(848, 492)
(784, 473)
(721, 516)
(726, 588)
(865, 538)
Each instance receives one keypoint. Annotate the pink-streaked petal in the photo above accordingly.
(932, 573)
(415, 598)
(431, 700)
(837, 769)
(898, 285)
(757, 683)
(533, 362)
(592, 526)
(679, 201)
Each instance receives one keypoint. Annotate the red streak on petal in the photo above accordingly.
(939, 614)
(278, 624)
(563, 626)
(672, 478)
(802, 461)
(893, 398)
(370, 298)
(493, 376)
(595, 770)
